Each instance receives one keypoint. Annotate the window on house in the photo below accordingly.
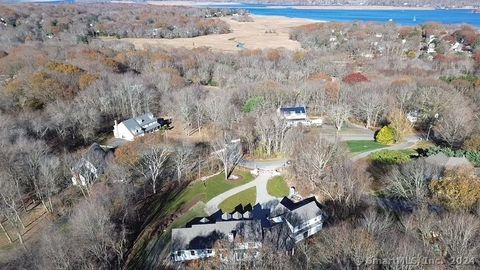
(192, 252)
(209, 251)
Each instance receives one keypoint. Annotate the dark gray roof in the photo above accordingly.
(302, 211)
(443, 160)
(298, 110)
(204, 236)
(96, 155)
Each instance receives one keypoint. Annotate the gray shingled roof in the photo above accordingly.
(302, 211)
(143, 123)
(133, 126)
(204, 236)
(443, 160)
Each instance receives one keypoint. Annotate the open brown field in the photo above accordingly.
(263, 33)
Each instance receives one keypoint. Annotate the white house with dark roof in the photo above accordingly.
(304, 218)
(135, 127)
(294, 115)
(246, 230)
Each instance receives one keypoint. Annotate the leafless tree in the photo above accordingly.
(228, 152)
(182, 157)
(410, 181)
(370, 102)
(460, 233)
(9, 201)
(152, 163)
(47, 184)
(455, 124)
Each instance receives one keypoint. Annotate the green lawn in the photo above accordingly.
(277, 187)
(210, 188)
(244, 198)
(147, 249)
(361, 146)
(217, 184)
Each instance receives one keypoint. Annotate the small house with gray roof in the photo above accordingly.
(244, 231)
(136, 126)
(92, 164)
(443, 161)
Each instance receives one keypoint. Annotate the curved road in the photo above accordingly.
(267, 170)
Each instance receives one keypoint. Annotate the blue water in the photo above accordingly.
(402, 17)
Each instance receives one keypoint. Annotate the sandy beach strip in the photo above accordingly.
(265, 32)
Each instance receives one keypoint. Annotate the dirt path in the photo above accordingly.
(265, 32)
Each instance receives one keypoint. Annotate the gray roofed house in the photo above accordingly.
(443, 161)
(137, 126)
(199, 240)
(304, 218)
(92, 164)
(247, 229)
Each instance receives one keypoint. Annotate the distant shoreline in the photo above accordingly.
(189, 3)
(354, 7)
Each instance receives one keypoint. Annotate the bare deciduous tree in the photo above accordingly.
(182, 157)
(228, 152)
(152, 163)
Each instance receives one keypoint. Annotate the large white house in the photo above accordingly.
(239, 235)
(135, 127)
(295, 116)
(304, 218)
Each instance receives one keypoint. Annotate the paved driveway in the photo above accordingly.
(268, 165)
(260, 182)
(411, 141)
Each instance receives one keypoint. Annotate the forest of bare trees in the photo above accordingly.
(62, 85)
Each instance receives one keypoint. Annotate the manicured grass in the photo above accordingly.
(210, 188)
(361, 146)
(277, 187)
(147, 248)
(244, 198)
(196, 211)
(217, 184)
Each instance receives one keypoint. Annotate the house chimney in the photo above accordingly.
(115, 129)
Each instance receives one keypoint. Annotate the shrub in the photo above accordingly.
(458, 189)
(400, 125)
(472, 144)
(252, 103)
(392, 157)
(356, 77)
(386, 135)
(472, 156)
